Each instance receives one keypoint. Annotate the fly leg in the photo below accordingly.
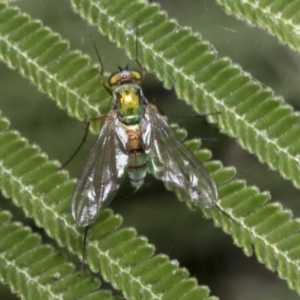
(84, 247)
(97, 119)
(101, 70)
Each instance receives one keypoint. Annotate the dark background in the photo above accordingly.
(203, 249)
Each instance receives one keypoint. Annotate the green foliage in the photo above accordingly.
(36, 271)
(261, 122)
(280, 18)
(42, 56)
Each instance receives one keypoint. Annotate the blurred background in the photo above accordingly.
(203, 249)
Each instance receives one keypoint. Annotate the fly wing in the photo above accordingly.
(174, 164)
(102, 173)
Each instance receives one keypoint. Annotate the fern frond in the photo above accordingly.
(35, 271)
(279, 18)
(43, 57)
(261, 122)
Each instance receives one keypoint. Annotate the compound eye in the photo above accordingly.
(136, 75)
(114, 79)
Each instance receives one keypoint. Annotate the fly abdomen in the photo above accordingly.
(137, 167)
(137, 158)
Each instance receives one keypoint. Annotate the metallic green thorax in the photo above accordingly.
(129, 105)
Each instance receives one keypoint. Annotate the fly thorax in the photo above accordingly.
(129, 103)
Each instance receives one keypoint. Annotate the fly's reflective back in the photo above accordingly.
(135, 139)
(129, 104)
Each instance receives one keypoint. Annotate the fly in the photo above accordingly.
(134, 139)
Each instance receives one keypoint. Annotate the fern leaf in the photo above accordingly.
(36, 271)
(42, 56)
(279, 18)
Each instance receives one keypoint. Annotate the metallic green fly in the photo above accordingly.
(134, 139)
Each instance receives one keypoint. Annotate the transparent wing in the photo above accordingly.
(102, 173)
(174, 164)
